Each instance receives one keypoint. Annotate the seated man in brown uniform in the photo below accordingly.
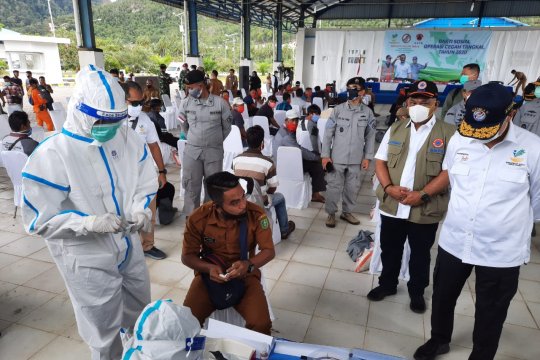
(215, 227)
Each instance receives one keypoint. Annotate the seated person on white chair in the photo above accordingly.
(19, 139)
(311, 162)
(237, 118)
(145, 128)
(252, 163)
(309, 126)
(152, 109)
(214, 227)
(267, 110)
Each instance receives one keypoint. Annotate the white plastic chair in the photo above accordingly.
(321, 125)
(293, 183)
(279, 115)
(14, 162)
(231, 97)
(262, 121)
(58, 106)
(279, 99)
(58, 118)
(38, 133)
(244, 94)
(166, 100)
(303, 138)
(232, 146)
(4, 126)
(170, 118)
(319, 102)
(297, 108)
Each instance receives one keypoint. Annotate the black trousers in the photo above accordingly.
(315, 170)
(394, 233)
(495, 287)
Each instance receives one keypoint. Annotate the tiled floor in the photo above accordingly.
(315, 295)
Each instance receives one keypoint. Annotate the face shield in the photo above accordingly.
(97, 106)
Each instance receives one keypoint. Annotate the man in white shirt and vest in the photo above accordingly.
(493, 167)
(411, 200)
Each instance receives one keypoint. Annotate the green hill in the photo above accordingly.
(138, 35)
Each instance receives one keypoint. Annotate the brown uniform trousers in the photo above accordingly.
(205, 229)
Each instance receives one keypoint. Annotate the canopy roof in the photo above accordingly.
(296, 12)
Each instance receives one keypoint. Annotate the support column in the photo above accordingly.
(86, 41)
(279, 32)
(193, 57)
(299, 55)
(246, 64)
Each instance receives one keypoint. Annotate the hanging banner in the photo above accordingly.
(432, 55)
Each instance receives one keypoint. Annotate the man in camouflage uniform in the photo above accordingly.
(165, 81)
(182, 77)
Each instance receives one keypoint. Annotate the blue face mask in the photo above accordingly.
(315, 118)
(104, 132)
(27, 132)
(463, 79)
(537, 92)
(195, 93)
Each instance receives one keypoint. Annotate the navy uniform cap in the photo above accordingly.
(423, 88)
(193, 77)
(485, 111)
(356, 81)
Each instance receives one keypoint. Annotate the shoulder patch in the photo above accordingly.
(265, 223)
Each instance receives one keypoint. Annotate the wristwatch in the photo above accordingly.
(425, 197)
(251, 267)
(164, 171)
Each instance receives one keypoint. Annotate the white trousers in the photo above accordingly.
(108, 284)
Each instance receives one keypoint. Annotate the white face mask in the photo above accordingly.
(134, 111)
(418, 113)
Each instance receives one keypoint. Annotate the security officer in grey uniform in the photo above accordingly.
(528, 115)
(206, 120)
(455, 114)
(348, 145)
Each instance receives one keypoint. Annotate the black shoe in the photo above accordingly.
(292, 226)
(418, 304)
(155, 253)
(430, 350)
(380, 293)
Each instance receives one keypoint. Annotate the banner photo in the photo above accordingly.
(432, 55)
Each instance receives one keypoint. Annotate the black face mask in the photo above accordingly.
(352, 94)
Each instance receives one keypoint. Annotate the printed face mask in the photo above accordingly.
(104, 132)
(352, 94)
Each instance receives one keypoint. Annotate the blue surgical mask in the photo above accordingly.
(195, 93)
(315, 118)
(27, 132)
(463, 79)
(104, 132)
(537, 92)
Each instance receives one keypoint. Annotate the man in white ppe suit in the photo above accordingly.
(86, 191)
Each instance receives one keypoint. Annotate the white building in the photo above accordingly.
(38, 54)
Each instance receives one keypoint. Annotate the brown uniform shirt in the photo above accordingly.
(216, 87)
(205, 229)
